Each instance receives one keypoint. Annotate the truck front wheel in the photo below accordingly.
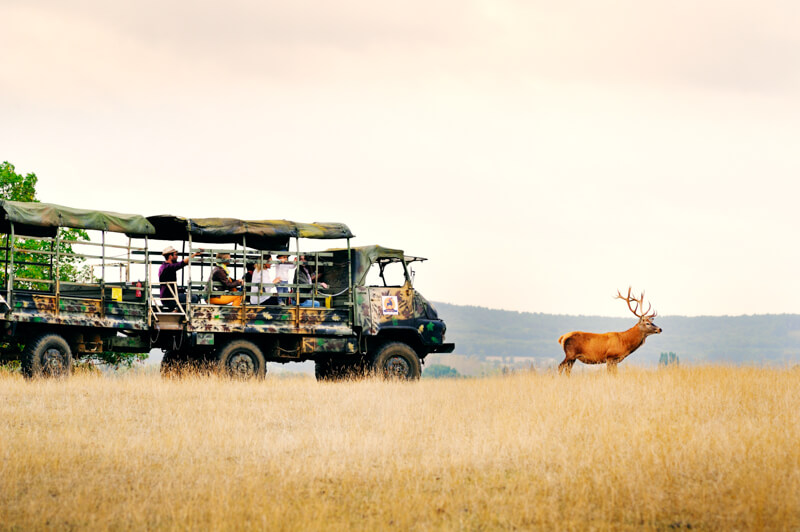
(396, 360)
(242, 360)
(47, 355)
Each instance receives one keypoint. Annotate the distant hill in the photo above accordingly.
(760, 339)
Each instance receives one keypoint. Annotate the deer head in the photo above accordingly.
(646, 325)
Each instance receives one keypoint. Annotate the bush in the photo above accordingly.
(440, 371)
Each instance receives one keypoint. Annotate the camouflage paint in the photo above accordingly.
(272, 320)
(411, 313)
(328, 345)
(28, 308)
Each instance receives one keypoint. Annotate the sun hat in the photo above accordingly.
(169, 250)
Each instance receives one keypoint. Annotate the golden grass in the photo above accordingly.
(711, 448)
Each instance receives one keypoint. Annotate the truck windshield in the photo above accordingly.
(386, 274)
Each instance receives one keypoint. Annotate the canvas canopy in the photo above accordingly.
(258, 234)
(44, 219)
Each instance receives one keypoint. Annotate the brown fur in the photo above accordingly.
(608, 348)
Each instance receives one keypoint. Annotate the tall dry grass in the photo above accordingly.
(709, 448)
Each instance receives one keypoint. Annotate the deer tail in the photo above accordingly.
(562, 338)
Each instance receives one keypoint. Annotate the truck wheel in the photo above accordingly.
(242, 360)
(396, 360)
(47, 355)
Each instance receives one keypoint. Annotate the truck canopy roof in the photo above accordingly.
(258, 234)
(44, 219)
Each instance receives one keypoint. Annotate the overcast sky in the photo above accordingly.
(542, 155)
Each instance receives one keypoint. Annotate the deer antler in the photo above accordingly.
(639, 304)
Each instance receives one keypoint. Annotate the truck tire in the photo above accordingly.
(242, 360)
(396, 360)
(48, 355)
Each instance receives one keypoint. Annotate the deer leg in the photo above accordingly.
(612, 367)
(566, 366)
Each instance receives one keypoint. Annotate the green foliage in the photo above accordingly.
(16, 187)
(116, 360)
(29, 264)
(12, 366)
(440, 371)
(32, 265)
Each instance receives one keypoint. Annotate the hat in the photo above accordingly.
(169, 250)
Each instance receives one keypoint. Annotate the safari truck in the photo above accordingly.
(360, 314)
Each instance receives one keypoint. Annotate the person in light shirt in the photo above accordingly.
(263, 273)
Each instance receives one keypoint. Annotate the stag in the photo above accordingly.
(609, 348)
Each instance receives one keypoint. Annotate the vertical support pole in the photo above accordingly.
(10, 297)
(188, 304)
(5, 261)
(261, 272)
(147, 292)
(52, 278)
(351, 313)
(183, 254)
(296, 276)
(244, 282)
(128, 264)
(315, 281)
(233, 258)
(57, 279)
(103, 276)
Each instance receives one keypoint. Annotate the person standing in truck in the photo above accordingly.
(168, 273)
(284, 273)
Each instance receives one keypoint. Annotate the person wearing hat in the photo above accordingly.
(168, 273)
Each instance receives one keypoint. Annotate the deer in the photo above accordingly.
(609, 348)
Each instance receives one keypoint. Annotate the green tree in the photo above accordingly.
(31, 265)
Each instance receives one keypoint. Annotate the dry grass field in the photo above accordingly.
(703, 448)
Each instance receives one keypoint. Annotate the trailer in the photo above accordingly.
(352, 319)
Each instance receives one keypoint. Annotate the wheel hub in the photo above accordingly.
(54, 362)
(397, 366)
(241, 365)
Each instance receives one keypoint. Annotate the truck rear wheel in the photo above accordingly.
(242, 360)
(48, 355)
(396, 360)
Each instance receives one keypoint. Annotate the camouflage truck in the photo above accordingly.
(352, 319)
